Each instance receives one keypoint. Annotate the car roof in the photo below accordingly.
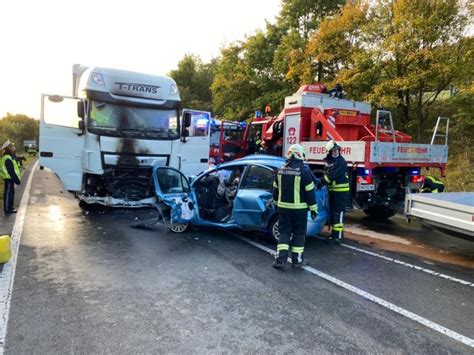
(269, 160)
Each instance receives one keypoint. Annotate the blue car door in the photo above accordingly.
(253, 203)
(173, 190)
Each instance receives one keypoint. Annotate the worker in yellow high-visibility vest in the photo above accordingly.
(432, 184)
(10, 172)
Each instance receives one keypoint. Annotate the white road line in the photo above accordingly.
(427, 323)
(419, 268)
(411, 266)
(7, 276)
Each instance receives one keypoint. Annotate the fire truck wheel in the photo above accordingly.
(379, 213)
(179, 227)
(274, 230)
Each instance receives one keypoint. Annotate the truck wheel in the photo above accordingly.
(179, 227)
(379, 213)
(274, 230)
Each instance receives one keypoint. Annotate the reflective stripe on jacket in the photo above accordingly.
(336, 177)
(433, 185)
(293, 187)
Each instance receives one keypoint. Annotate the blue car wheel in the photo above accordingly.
(274, 230)
(179, 227)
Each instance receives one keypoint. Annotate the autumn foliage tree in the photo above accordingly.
(194, 80)
(17, 128)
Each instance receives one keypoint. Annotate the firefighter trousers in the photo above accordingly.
(337, 207)
(292, 227)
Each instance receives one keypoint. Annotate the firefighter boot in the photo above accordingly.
(337, 233)
(278, 264)
(281, 256)
(301, 264)
(298, 261)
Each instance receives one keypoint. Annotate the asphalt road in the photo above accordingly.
(89, 283)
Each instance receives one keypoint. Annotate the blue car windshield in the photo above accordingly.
(159, 123)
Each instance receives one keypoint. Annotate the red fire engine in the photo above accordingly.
(383, 162)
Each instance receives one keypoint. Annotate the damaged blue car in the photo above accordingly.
(234, 195)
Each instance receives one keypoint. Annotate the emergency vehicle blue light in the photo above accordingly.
(363, 172)
(258, 114)
(415, 172)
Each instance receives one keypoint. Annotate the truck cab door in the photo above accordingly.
(174, 194)
(253, 203)
(61, 140)
(195, 141)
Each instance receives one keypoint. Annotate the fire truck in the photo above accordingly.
(383, 163)
(226, 142)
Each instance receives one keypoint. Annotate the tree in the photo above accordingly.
(194, 81)
(408, 52)
(17, 128)
(337, 43)
(300, 19)
(233, 89)
(267, 66)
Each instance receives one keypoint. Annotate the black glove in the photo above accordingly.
(314, 214)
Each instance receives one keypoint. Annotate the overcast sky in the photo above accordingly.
(41, 40)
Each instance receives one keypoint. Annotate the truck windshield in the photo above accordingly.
(115, 119)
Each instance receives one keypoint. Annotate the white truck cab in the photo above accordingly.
(103, 140)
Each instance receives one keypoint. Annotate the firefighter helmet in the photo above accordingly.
(332, 144)
(296, 151)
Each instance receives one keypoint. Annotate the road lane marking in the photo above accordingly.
(368, 296)
(7, 275)
(403, 263)
(419, 268)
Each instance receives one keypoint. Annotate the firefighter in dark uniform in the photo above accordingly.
(293, 192)
(10, 172)
(258, 142)
(337, 181)
(433, 185)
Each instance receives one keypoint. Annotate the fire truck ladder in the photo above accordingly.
(436, 134)
(381, 117)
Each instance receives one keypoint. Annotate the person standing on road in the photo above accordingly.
(293, 191)
(10, 172)
(432, 184)
(337, 181)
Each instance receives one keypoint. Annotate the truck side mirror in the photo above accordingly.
(80, 109)
(187, 119)
(187, 116)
